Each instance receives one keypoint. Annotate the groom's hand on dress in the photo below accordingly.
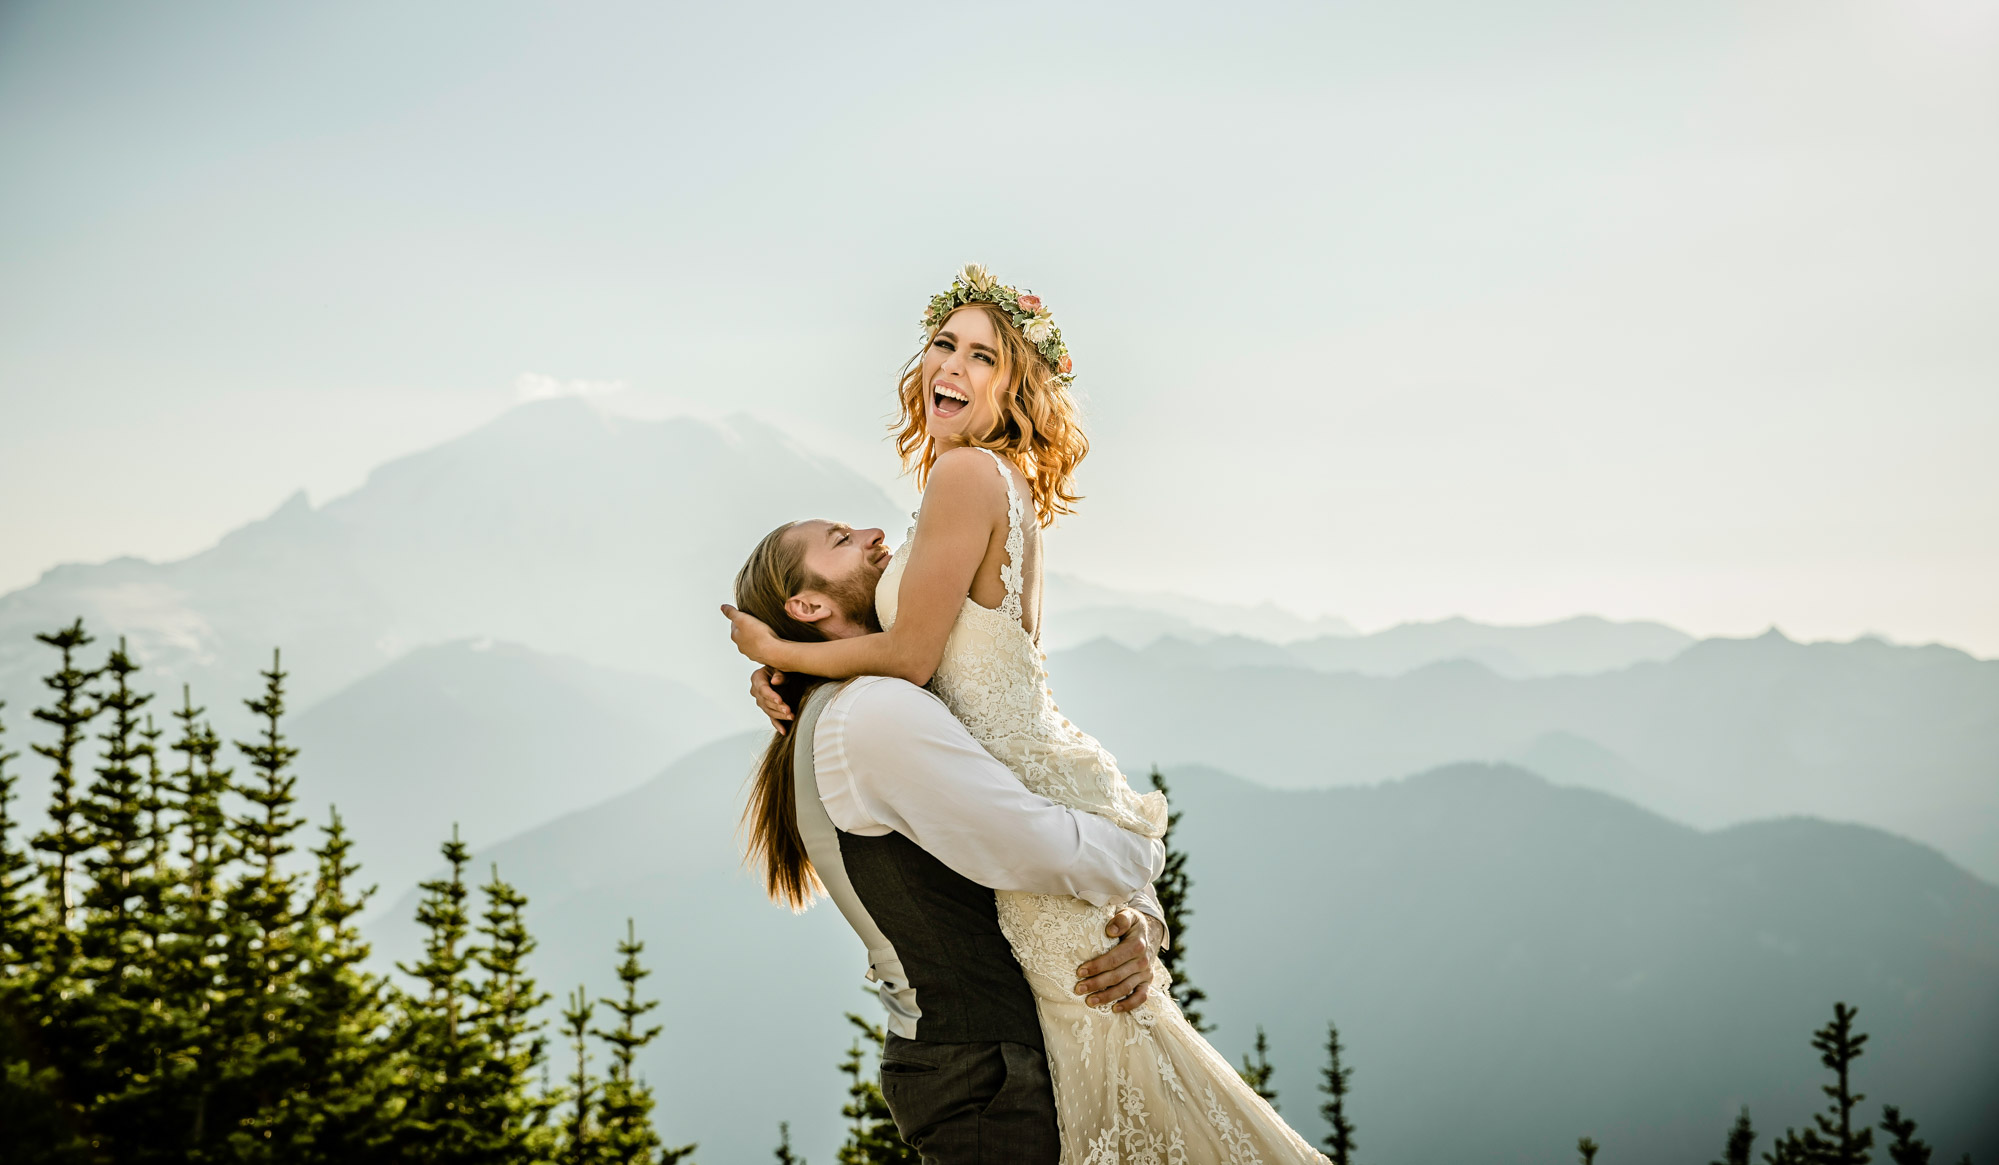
(1122, 976)
(763, 689)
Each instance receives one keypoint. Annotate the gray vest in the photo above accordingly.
(945, 972)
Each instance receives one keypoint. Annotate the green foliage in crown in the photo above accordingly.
(976, 285)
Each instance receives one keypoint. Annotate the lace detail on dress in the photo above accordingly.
(1016, 544)
(1137, 1088)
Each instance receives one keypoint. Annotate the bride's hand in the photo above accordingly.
(752, 636)
(763, 689)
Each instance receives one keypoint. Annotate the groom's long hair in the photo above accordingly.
(776, 571)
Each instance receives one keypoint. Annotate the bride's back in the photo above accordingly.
(990, 583)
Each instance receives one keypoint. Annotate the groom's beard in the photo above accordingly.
(855, 596)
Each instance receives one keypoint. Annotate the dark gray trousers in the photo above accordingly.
(971, 1104)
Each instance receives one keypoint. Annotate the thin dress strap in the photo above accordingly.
(1016, 542)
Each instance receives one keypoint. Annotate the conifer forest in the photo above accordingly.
(176, 988)
(182, 979)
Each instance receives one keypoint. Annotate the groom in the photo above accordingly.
(910, 826)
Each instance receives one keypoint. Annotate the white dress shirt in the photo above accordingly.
(890, 758)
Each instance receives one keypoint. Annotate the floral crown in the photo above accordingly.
(976, 285)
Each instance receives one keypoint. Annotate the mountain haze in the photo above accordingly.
(1583, 645)
(609, 541)
(579, 533)
(1077, 611)
(556, 526)
(1533, 960)
(491, 737)
(1904, 738)
(1579, 646)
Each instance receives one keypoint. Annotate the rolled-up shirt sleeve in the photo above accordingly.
(891, 757)
(1146, 901)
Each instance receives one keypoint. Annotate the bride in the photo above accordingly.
(990, 427)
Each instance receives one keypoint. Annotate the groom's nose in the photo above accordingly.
(870, 538)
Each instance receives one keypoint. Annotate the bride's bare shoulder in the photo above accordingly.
(966, 475)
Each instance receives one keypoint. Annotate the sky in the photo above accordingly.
(1516, 309)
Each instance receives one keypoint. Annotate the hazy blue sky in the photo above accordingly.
(1684, 309)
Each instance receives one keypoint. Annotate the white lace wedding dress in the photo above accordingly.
(1137, 1088)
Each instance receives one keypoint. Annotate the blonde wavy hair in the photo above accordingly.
(1037, 425)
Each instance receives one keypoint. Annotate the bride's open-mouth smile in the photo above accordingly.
(947, 400)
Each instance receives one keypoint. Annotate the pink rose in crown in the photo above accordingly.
(1066, 365)
(1030, 303)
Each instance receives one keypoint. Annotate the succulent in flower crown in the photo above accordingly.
(976, 285)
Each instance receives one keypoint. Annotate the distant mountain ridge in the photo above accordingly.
(1905, 738)
(1535, 961)
(1583, 645)
(1542, 962)
(1078, 610)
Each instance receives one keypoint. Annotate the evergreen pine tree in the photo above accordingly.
(201, 784)
(1257, 1075)
(1789, 1149)
(262, 838)
(629, 1135)
(262, 948)
(191, 955)
(48, 1007)
(1834, 1141)
(118, 1033)
(872, 1138)
(341, 1109)
(1340, 1141)
(517, 1120)
(440, 1045)
(65, 837)
(113, 812)
(1587, 1147)
(1906, 1148)
(156, 803)
(16, 874)
(1172, 887)
(582, 1140)
(164, 1019)
(783, 1153)
(1741, 1141)
(154, 884)
(29, 1110)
